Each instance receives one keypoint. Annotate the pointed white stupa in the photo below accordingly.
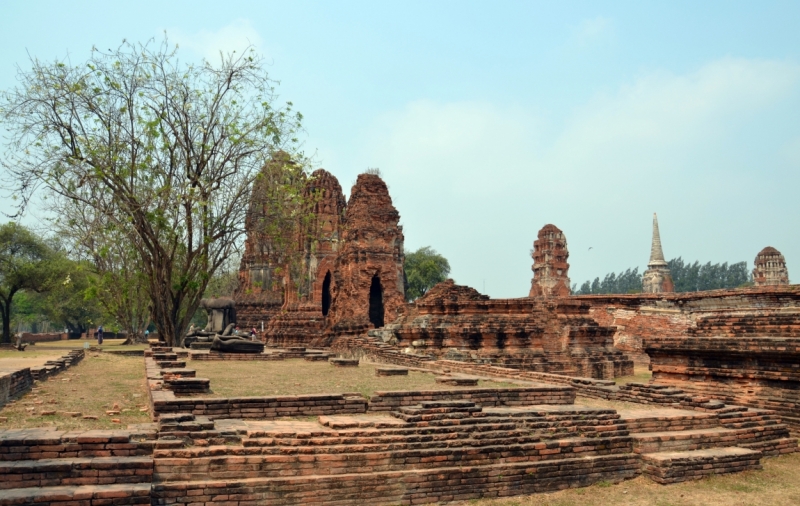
(656, 253)
(657, 278)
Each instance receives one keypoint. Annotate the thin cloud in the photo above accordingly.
(591, 31)
(663, 142)
(236, 36)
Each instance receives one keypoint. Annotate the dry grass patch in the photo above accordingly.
(297, 377)
(641, 374)
(91, 388)
(776, 484)
(71, 344)
(29, 353)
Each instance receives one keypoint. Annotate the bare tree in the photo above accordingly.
(165, 152)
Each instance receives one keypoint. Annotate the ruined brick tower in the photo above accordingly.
(368, 274)
(657, 278)
(770, 268)
(322, 237)
(261, 279)
(550, 265)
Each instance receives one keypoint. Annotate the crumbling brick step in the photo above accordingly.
(75, 471)
(343, 362)
(171, 364)
(89, 495)
(35, 444)
(391, 371)
(456, 381)
(444, 484)
(774, 447)
(546, 428)
(240, 357)
(226, 463)
(667, 420)
(486, 397)
(653, 442)
(360, 421)
(673, 467)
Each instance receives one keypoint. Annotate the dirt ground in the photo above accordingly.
(90, 388)
(297, 376)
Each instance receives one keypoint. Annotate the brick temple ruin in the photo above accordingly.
(724, 384)
(770, 268)
(550, 267)
(351, 281)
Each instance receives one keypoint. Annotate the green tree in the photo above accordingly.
(116, 283)
(24, 265)
(69, 302)
(686, 277)
(163, 151)
(424, 268)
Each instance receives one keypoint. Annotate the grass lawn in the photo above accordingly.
(297, 376)
(91, 388)
(776, 484)
(641, 374)
(71, 344)
(29, 353)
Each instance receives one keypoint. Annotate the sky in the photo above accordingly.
(490, 119)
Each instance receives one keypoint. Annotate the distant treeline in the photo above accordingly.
(687, 278)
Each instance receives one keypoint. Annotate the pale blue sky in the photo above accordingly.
(490, 119)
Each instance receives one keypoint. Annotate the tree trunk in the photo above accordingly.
(6, 311)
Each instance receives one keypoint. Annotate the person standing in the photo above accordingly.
(100, 334)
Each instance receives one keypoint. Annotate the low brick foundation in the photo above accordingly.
(486, 397)
(240, 357)
(390, 371)
(13, 384)
(343, 362)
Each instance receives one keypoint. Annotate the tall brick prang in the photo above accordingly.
(369, 288)
(770, 268)
(550, 267)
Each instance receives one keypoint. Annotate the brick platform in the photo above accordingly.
(245, 357)
(458, 382)
(674, 467)
(390, 371)
(343, 362)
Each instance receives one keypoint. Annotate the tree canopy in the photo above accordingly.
(686, 277)
(424, 268)
(25, 264)
(162, 152)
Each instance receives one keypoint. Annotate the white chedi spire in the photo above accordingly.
(656, 253)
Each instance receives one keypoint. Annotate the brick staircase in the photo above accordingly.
(680, 445)
(48, 467)
(435, 451)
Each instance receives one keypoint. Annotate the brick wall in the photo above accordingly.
(259, 407)
(27, 337)
(486, 397)
(758, 372)
(13, 384)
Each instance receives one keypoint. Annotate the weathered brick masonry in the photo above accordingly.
(536, 334)
(755, 311)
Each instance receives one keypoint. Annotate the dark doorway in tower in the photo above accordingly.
(326, 294)
(376, 302)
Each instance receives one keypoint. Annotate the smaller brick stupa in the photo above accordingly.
(550, 265)
(657, 278)
(770, 268)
